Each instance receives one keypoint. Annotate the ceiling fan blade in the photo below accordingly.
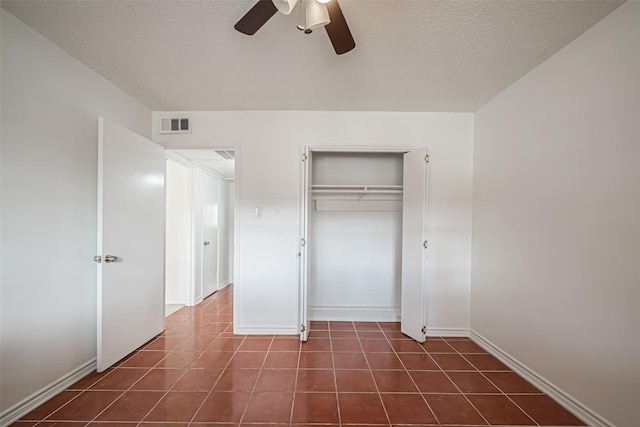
(257, 16)
(338, 30)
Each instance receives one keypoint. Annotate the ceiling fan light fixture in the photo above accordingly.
(285, 6)
(317, 14)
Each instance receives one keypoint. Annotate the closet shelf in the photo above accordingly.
(357, 189)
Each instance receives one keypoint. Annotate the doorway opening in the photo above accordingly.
(200, 225)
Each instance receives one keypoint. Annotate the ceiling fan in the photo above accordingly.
(319, 13)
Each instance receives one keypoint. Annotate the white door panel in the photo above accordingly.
(303, 256)
(131, 226)
(210, 196)
(413, 300)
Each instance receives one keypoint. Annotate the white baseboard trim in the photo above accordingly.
(260, 330)
(569, 403)
(176, 301)
(224, 284)
(355, 313)
(30, 403)
(447, 332)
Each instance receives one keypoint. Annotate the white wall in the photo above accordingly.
(355, 265)
(268, 145)
(179, 232)
(232, 218)
(225, 233)
(50, 106)
(556, 218)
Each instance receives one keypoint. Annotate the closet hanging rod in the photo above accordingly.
(356, 186)
(399, 191)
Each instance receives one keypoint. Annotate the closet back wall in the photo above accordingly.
(268, 149)
(355, 242)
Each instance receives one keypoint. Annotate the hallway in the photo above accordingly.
(349, 373)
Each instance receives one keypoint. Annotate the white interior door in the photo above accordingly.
(303, 244)
(131, 227)
(210, 197)
(414, 245)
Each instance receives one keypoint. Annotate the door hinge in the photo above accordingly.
(304, 157)
(303, 328)
(425, 244)
(426, 158)
(424, 330)
(303, 242)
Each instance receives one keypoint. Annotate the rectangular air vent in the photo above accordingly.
(228, 155)
(175, 125)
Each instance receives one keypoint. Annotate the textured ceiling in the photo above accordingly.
(411, 55)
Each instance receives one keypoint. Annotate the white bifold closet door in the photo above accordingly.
(131, 227)
(303, 251)
(414, 245)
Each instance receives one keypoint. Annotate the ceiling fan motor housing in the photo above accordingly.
(285, 6)
(337, 28)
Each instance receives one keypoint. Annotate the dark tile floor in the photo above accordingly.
(349, 373)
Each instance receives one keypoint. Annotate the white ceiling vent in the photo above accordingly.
(173, 125)
(228, 155)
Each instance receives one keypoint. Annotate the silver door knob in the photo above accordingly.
(206, 243)
(110, 258)
(97, 259)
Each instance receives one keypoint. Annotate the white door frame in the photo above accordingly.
(196, 266)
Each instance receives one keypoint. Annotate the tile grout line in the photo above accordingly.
(511, 400)
(205, 339)
(253, 389)
(88, 388)
(333, 370)
(167, 391)
(411, 378)
(456, 385)
(502, 392)
(186, 370)
(370, 373)
(124, 391)
(217, 380)
(295, 381)
(56, 409)
(465, 396)
(479, 371)
(375, 383)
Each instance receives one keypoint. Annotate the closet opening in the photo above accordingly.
(363, 244)
(355, 230)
